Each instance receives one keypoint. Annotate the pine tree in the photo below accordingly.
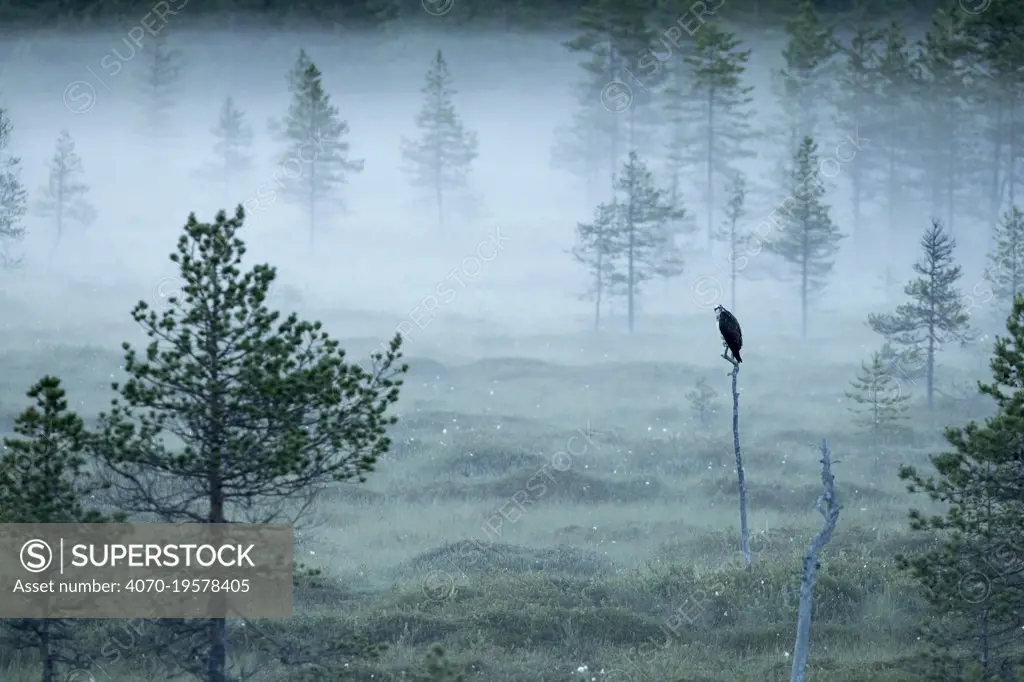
(723, 128)
(64, 195)
(441, 159)
(972, 576)
(647, 226)
(943, 117)
(247, 411)
(809, 240)
(907, 364)
(729, 233)
(13, 197)
(1006, 261)
(892, 120)
(936, 313)
(616, 37)
(44, 479)
(597, 248)
(805, 78)
(881, 404)
(232, 148)
(578, 149)
(314, 137)
(158, 81)
(856, 94)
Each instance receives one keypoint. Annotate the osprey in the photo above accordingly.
(731, 333)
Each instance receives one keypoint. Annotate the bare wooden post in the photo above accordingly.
(744, 529)
(829, 507)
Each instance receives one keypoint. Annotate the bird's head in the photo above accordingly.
(718, 311)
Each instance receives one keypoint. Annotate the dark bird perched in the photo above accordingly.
(731, 333)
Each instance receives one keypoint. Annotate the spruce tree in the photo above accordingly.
(250, 413)
(1006, 261)
(729, 232)
(13, 197)
(722, 131)
(441, 159)
(158, 82)
(881, 404)
(972, 574)
(232, 155)
(856, 95)
(63, 198)
(314, 138)
(44, 479)
(808, 240)
(935, 314)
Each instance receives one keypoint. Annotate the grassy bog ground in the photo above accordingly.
(552, 510)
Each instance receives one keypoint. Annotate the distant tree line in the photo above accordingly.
(368, 13)
(312, 167)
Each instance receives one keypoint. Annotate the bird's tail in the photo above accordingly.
(738, 358)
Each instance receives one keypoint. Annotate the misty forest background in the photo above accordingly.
(516, 218)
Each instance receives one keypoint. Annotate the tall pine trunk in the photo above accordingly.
(931, 365)
(631, 272)
(856, 185)
(803, 287)
(710, 168)
(440, 207)
(952, 175)
(997, 162)
(1011, 166)
(732, 274)
(60, 214)
(312, 207)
